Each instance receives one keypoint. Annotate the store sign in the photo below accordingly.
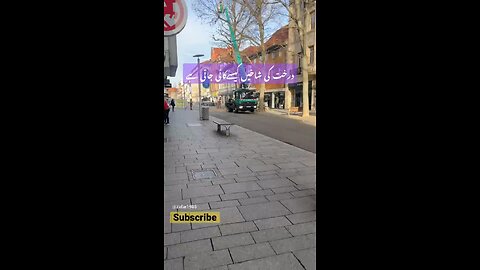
(174, 16)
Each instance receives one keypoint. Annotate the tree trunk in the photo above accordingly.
(305, 109)
(262, 45)
(262, 98)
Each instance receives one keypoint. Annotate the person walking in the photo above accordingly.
(191, 104)
(173, 104)
(166, 110)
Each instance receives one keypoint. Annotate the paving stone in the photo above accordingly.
(238, 228)
(167, 226)
(189, 248)
(199, 184)
(278, 197)
(201, 207)
(294, 243)
(175, 264)
(175, 176)
(278, 262)
(302, 228)
(224, 267)
(179, 227)
(233, 240)
(250, 252)
(305, 180)
(290, 165)
(223, 181)
(174, 187)
(269, 223)
(264, 210)
(175, 182)
(304, 193)
(226, 165)
(307, 257)
(180, 169)
(172, 195)
(171, 239)
(284, 189)
(303, 204)
(253, 200)
(275, 183)
(302, 217)
(267, 172)
(271, 234)
(309, 162)
(207, 259)
(227, 216)
(202, 191)
(258, 193)
(237, 170)
(260, 168)
(213, 198)
(233, 196)
(198, 234)
(240, 187)
(246, 179)
(303, 187)
(223, 204)
(168, 206)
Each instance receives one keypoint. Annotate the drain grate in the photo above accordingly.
(205, 174)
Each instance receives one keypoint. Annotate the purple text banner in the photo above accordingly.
(232, 73)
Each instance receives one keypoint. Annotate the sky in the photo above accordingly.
(195, 38)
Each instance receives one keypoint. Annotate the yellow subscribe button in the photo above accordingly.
(194, 217)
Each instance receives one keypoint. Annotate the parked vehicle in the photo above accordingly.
(242, 100)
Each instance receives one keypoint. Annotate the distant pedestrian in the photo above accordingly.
(173, 104)
(166, 109)
(191, 104)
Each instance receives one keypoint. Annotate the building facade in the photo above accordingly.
(295, 56)
(276, 52)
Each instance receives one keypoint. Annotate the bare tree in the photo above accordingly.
(296, 12)
(264, 13)
(239, 17)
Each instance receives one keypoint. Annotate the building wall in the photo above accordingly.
(295, 48)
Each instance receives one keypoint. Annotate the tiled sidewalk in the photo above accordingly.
(264, 189)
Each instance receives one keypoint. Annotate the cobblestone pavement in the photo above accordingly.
(264, 189)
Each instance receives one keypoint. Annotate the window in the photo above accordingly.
(312, 54)
(312, 18)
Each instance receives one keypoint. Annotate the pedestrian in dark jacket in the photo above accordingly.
(173, 104)
(166, 110)
(191, 104)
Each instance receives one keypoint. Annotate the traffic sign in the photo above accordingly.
(174, 16)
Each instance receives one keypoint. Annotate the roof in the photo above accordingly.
(222, 55)
(280, 37)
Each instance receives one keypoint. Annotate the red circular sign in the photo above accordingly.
(174, 16)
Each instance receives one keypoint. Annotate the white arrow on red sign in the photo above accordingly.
(174, 16)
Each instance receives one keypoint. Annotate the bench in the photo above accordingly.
(225, 124)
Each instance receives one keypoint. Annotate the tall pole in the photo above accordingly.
(199, 91)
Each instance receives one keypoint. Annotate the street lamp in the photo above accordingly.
(199, 90)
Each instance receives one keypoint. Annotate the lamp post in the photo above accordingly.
(199, 90)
